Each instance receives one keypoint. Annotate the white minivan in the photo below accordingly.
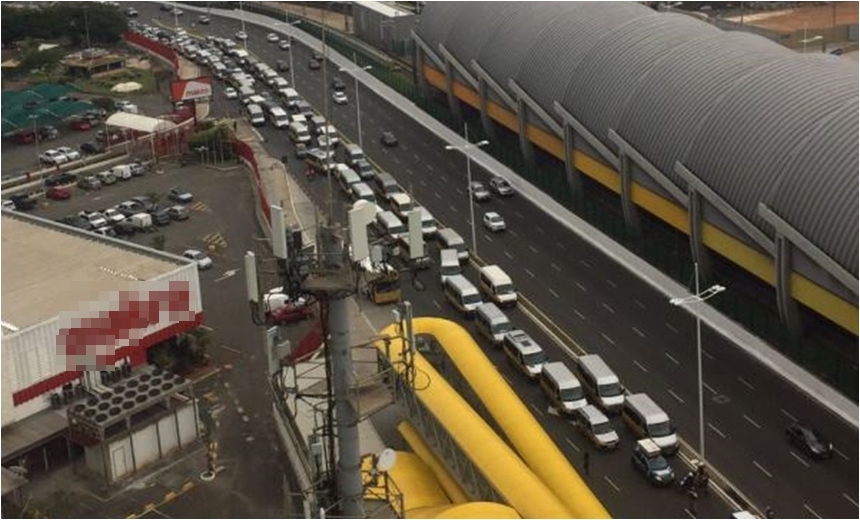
(462, 294)
(497, 286)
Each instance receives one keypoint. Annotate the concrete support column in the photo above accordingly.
(526, 147)
(628, 209)
(697, 246)
(788, 313)
(453, 103)
(486, 120)
(574, 178)
(419, 69)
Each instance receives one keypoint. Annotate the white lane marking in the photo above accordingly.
(453, 208)
(437, 305)
(766, 472)
(607, 307)
(519, 215)
(573, 444)
(638, 364)
(611, 283)
(799, 458)
(554, 293)
(707, 354)
(749, 420)
(816, 515)
(444, 178)
(673, 329)
(557, 268)
(561, 246)
(581, 315)
(513, 233)
(581, 287)
(459, 191)
(530, 273)
(536, 409)
(225, 347)
(417, 159)
(842, 455)
(437, 195)
(533, 249)
(718, 432)
(746, 383)
(850, 500)
(206, 328)
(609, 480)
(421, 181)
(676, 396)
(709, 388)
(638, 332)
(429, 166)
(607, 338)
(785, 413)
(488, 238)
(673, 360)
(510, 256)
(585, 263)
(640, 304)
(540, 230)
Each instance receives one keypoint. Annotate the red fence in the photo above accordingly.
(154, 46)
(246, 154)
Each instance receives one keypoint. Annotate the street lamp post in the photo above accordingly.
(698, 298)
(35, 117)
(290, 49)
(242, 14)
(463, 149)
(354, 71)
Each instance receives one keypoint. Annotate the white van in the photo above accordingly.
(255, 115)
(353, 154)
(278, 117)
(290, 97)
(562, 387)
(122, 171)
(401, 204)
(388, 224)
(600, 382)
(298, 133)
(387, 185)
(428, 222)
(449, 239)
(524, 353)
(647, 420)
(497, 286)
(462, 294)
(346, 177)
(361, 191)
(492, 322)
(449, 264)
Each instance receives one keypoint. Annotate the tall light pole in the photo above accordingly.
(698, 298)
(175, 17)
(354, 71)
(242, 14)
(463, 149)
(290, 49)
(35, 117)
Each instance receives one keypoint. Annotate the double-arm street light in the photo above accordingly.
(354, 72)
(699, 297)
(290, 41)
(464, 148)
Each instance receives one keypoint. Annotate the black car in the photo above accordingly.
(76, 221)
(810, 441)
(301, 151)
(204, 20)
(92, 147)
(23, 202)
(126, 228)
(61, 180)
(161, 217)
(388, 139)
(282, 66)
(149, 205)
(337, 84)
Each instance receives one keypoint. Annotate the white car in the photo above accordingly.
(339, 98)
(230, 93)
(272, 38)
(96, 220)
(113, 216)
(494, 222)
(284, 45)
(53, 157)
(241, 36)
(203, 261)
(71, 154)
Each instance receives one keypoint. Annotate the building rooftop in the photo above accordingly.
(48, 268)
(387, 9)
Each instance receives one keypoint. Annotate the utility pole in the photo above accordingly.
(326, 95)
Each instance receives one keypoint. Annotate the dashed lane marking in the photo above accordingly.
(510, 256)
(581, 315)
(638, 364)
(552, 292)
(746, 383)
(581, 287)
(715, 430)
(798, 458)
(785, 413)
(530, 273)
(640, 304)
(759, 466)
(533, 249)
(585, 263)
(816, 515)
(676, 396)
(557, 268)
(513, 233)
(607, 338)
(850, 500)
(609, 480)
(638, 332)
(672, 328)
(574, 446)
(608, 307)
(672, 359)
(751, 421)
(611, 283)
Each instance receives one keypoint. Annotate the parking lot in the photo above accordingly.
(204, 230)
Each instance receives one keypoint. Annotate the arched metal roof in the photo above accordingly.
(735, 108)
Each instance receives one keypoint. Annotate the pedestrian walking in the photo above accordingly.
(235, 125)
(586, 463)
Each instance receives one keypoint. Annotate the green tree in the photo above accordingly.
(158, 242)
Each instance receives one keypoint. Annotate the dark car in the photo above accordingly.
(204, 20)
(810, 441)
(23, 202)
(161, 217)
(388, 139)
(282, 66)
(301, 150)
(92, 147)
(61, 180)
(648, 460)
(178, 212)
(337, 84)
(126, 228)
(313, 64)
(501, 187)
(148, 204)
(76, 221)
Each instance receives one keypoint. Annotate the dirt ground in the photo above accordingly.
(811, 16)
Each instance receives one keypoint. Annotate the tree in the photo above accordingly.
(35, 60)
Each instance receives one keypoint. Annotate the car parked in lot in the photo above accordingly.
(89, 183)
(125, 228)
(113, 216)
(23, 202)
(61, 179)
(59, 193)
(203, 261)
(284, 44)
(53, 157)
(92, 147)
(810, 440)
(241, 36)
(313, 64)
(230, 93)
(149, 204)
(204, 20)
(129, 208)
(161, 217)
(95, 218)
(71, 155)
(479, 191)
(272, 38)
(178, 194)
(178, 212)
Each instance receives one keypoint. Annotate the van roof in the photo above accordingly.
(462, 284)
(598, 368)
(648, 408)
(400, 198)
(449, 255)
(448, 234)
(562, 375)
(490, 310)
(496, 274)
(593, 414)
(521, 341)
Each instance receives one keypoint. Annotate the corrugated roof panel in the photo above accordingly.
(436, 21)
(471, 30)
(756, 129)
(818, 191)
(611, 73)
(681, 91)
(555, 57)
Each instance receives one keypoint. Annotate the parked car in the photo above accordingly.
(204, 20)
(92, 147)
(81, 124)
(95, 218)
(8, 204)
(494, 222)
(301, 150)
(162, 217)
(501, 187)
(810, 440)
(203, 261)
(61, 179)
(337, 84)
(178, 212)
(59, 193)
(149, 204)
(23, 202)
(89, 183)
(53, 158)
(284, 44)
(479, 191)
(177, 194)
(125, 228)
(282, 65)
(388, 139)
(129, 208)
(113, 216)
(648, 460)
(71, 155)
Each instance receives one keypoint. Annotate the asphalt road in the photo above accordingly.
(606, 310)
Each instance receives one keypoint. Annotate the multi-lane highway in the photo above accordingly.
(604, 309)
